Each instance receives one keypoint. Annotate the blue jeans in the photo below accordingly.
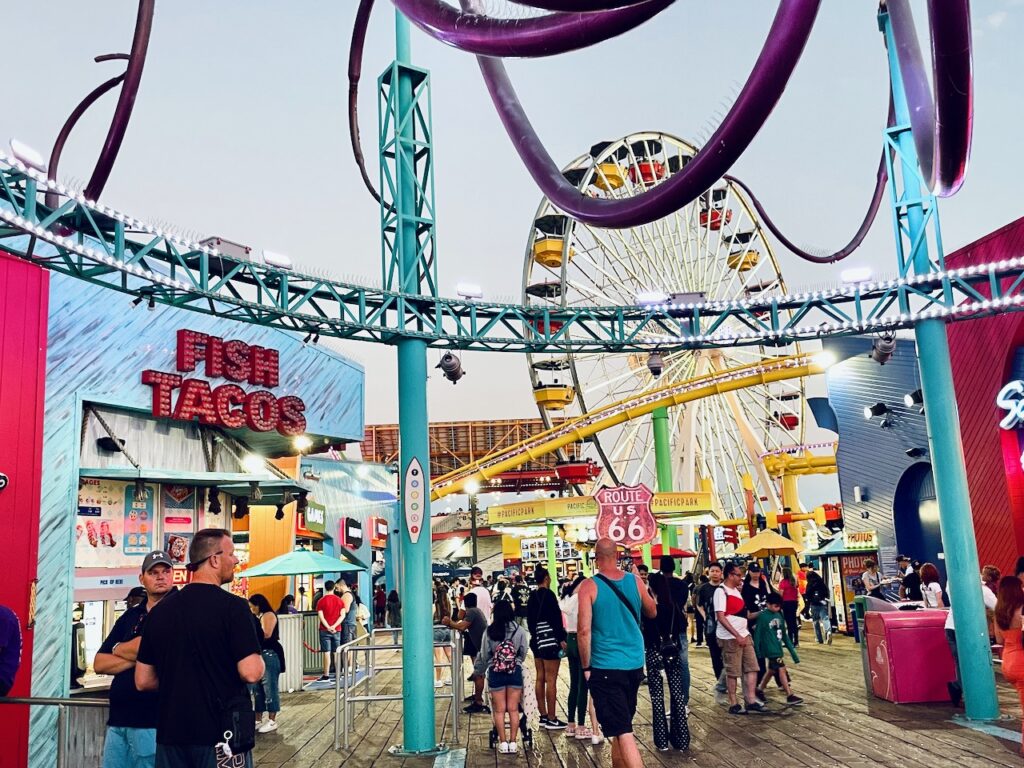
(129, 748)
(822, 621)
(268, 699)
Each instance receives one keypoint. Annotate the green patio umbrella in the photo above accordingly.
(301, 561)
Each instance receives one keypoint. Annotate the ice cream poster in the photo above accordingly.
(99, 525)
(138, 521)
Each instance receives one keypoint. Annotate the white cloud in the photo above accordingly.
(995, 20)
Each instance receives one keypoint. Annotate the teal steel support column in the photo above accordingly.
(418, 718)
(663, 469)
(913, 211)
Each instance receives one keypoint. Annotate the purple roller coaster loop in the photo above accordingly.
(577, 6)
(785, 43)
(881, 177)
(129, 81)
(541, 36)
(942, 125)
(355, 69)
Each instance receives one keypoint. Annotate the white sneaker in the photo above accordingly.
(267, 727)
(446, 681)
(438, 684)
(512, 747)
(597, 738)
(503, 748)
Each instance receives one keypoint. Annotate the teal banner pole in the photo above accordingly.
(956, 521)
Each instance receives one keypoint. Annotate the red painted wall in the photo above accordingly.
(982, 355)
(23, 323)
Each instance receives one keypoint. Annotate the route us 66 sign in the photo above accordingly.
(624, 514)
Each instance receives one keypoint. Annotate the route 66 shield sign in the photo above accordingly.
(624, 514)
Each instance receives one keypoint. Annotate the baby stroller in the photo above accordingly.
(524, 729)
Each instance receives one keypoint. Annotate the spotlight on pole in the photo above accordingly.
(882, 348)
(914, 399)
(655, 364)
(916, 452)
(451, 367)
(878, 409)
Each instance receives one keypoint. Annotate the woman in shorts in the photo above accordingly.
(442, 609)
(502, 654)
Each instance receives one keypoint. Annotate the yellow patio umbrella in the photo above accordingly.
(767, 544)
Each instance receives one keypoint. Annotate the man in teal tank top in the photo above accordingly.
(611, 648)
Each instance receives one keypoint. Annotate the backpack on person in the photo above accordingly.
(504, 658)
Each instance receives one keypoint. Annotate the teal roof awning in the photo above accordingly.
(300, 562)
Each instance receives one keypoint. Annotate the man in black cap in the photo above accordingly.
(131, 725)
(136, 596)
(910, 588)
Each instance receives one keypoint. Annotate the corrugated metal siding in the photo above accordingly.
(982, 354)
(868, 456)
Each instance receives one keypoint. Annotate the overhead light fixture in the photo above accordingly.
(883, 348)
(214, 497)
(279, 514)
(469, 291)
(655, 364)
(472, 487)
(110, 444)
(302, 443)
(824, 359)
(645, 298)
(253, 464)
(278, 260)
(28, 155)
(916, 452)
(913, 398)
(855, 275)
(886, 423)
(241, 507)
(878, 409)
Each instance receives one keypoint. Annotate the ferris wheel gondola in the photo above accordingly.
(713, 249)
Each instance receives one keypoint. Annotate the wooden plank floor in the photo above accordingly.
(838, 726)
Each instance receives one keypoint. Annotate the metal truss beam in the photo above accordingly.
(93, 242)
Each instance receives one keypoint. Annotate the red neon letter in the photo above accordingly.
(189, 344)
(263, 369)
(261, 411)
(225, 397)
(162, 384)
(195, 400)
(292, 421)
(236, 360)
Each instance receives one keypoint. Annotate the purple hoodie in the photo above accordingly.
(10, 648)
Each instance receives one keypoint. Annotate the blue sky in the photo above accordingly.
(240, 131)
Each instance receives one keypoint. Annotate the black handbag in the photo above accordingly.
(670, 647)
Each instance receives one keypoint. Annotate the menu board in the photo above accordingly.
(99, 524)
(139, 519)
(537, 549)
(179, 512)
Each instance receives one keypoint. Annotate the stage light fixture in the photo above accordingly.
(883, 348)
(279, 514)
(878, 409)
(916, 452)
(913, 398)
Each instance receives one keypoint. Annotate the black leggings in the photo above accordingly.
(792, 623)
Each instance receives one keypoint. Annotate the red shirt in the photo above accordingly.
(331, 607)
(789, 592)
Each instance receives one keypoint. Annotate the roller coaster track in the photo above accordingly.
(96, 243)
(578, 429)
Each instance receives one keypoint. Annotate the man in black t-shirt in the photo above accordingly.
(910, 587)
(199, 650)
(131, 723)
(520, 596)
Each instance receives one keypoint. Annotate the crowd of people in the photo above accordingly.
(625, 626)
(183, 689)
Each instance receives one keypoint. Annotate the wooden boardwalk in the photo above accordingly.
(838, 726)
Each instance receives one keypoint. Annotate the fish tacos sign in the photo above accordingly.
(624, 514)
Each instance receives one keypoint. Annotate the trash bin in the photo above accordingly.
(908, 658)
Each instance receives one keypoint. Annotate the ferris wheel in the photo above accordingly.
(713, 249)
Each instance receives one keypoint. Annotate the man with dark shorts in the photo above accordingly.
(200, 651)
(611, 648)
(472, 624)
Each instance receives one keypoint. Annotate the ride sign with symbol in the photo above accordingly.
(624, 514)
